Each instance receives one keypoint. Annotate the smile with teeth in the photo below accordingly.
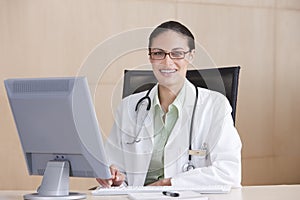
(167, 71)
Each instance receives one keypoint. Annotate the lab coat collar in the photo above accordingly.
(190, 93)
(185, 113)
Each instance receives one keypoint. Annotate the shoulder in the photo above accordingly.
(134, 96)
(207, 94)
(204, 94)
(216, 100)
(213, 99)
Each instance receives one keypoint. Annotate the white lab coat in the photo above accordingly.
(213, 125)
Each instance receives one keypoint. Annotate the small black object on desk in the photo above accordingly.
(171, 194)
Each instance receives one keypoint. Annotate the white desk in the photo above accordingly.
(275, 192)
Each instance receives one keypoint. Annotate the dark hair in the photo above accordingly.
(174, 26)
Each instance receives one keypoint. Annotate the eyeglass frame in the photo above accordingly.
(168, 53)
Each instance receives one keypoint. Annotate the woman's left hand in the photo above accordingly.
(162, 182)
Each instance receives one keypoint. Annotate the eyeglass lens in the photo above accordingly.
(159, 55)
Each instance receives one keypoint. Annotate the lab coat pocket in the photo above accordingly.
(200, 160)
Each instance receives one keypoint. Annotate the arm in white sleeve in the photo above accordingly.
(225, 157)
(113, 144)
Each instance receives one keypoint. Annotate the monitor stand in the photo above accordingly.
(55, 183)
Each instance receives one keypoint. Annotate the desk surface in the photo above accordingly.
(275, 192)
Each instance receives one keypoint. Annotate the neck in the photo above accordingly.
(167, 95)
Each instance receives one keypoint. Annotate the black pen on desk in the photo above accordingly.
(171, 194)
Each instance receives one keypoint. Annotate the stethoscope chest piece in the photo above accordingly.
(135, 140)
(188, 166)
(196, 152)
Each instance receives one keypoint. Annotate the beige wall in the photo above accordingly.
(53, 37)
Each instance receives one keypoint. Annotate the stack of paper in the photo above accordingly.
(160, 195)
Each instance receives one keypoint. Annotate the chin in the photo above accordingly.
(171, 83)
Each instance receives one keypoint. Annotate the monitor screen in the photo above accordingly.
(56, 121)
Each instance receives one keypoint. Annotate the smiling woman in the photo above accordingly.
(165, 130)
(171, 70)
(169, 44)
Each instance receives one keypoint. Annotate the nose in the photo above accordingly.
(168, 61)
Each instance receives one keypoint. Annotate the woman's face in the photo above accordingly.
(170, 72)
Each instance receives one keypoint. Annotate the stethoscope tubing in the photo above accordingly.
(192, 123)
(189, 165)
(146, 97)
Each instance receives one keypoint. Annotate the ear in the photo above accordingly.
(191, 56)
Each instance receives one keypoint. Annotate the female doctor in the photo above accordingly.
(174, 134)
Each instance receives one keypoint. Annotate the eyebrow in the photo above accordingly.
(158, 49)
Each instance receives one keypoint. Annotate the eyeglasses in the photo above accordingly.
(160, 55)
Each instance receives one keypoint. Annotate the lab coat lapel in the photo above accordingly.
(143, 149)
(186, 114)
(148, 128)
(178, 140)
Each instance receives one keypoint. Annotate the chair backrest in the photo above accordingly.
(224, 80)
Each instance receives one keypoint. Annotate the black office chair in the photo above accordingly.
(224, 80)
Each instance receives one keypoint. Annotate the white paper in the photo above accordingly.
(159, 195)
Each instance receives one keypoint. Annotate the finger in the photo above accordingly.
(156, 183)
(105, 182)
(162, 182)
(120, 177)
(109, 182)
(117, 176)
(102, 182)
(113, 171)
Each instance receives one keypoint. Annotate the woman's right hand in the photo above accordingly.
(117, 178)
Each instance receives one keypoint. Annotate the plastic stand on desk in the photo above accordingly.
(55, 184)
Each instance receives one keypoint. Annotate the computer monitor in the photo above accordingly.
(59, 132)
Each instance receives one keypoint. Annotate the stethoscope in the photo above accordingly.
(202, 152)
